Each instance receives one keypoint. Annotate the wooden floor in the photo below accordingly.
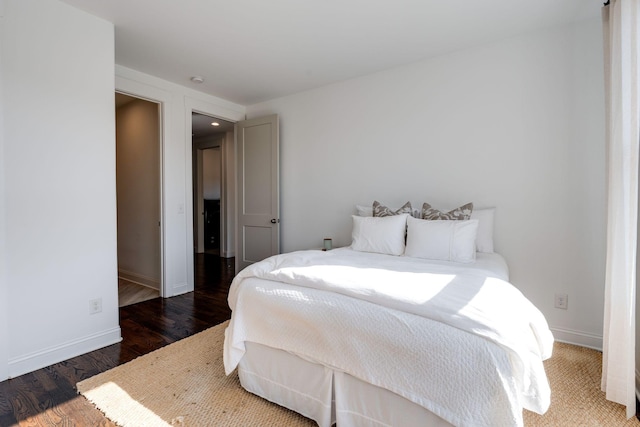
(133, 293)
(48, 397)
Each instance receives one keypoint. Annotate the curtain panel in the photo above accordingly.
(620, 34)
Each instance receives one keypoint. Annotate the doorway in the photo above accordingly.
(211, 187)
(213, 201)
(138, 193)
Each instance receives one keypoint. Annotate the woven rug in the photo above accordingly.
(183, 384)
(576, 400)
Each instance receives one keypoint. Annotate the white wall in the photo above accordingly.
(637, 324)
(516, 124)
(178, 103)
(211, 174)
(4, 316)
(138, 192)
(59, 171)
(637, 358)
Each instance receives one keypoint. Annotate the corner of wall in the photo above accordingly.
(582, 339)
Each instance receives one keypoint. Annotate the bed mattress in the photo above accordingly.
(463, 377)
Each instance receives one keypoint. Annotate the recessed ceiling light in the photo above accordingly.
(197, 79)
(215, 124)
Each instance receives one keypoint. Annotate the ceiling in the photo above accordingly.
(201, 126)
(249, 51)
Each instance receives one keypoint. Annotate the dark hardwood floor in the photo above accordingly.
(48, 397)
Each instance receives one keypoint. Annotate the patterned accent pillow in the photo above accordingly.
(381, 210)
(462, 213)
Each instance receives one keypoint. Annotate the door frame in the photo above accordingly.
(161, 121)
(193, 105)
(178, 102)
(162, 98)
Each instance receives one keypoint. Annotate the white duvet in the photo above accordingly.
(457, 340)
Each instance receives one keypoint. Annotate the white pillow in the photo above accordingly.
(445, 240)
(384, 235)
(484, 240)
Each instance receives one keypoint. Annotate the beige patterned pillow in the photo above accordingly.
(462, 213)
(381, 210)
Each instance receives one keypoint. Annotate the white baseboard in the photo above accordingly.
(43, 358)
(139, 279)
(582, 339)
(180, 288)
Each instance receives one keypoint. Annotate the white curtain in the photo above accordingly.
(620, 26)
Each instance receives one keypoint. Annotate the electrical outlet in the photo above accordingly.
(95, 306)
(561, 301)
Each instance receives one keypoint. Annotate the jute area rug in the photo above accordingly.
(183, 384)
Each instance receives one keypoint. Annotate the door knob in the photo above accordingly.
(274, 221)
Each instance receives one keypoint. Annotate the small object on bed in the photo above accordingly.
(328, 244)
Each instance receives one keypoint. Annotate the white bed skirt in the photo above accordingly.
(325, 395)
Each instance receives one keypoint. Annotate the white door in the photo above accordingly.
(258, 190)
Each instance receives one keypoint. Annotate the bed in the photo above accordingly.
(353, 337)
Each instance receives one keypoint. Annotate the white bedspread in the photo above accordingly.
(394, 329)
